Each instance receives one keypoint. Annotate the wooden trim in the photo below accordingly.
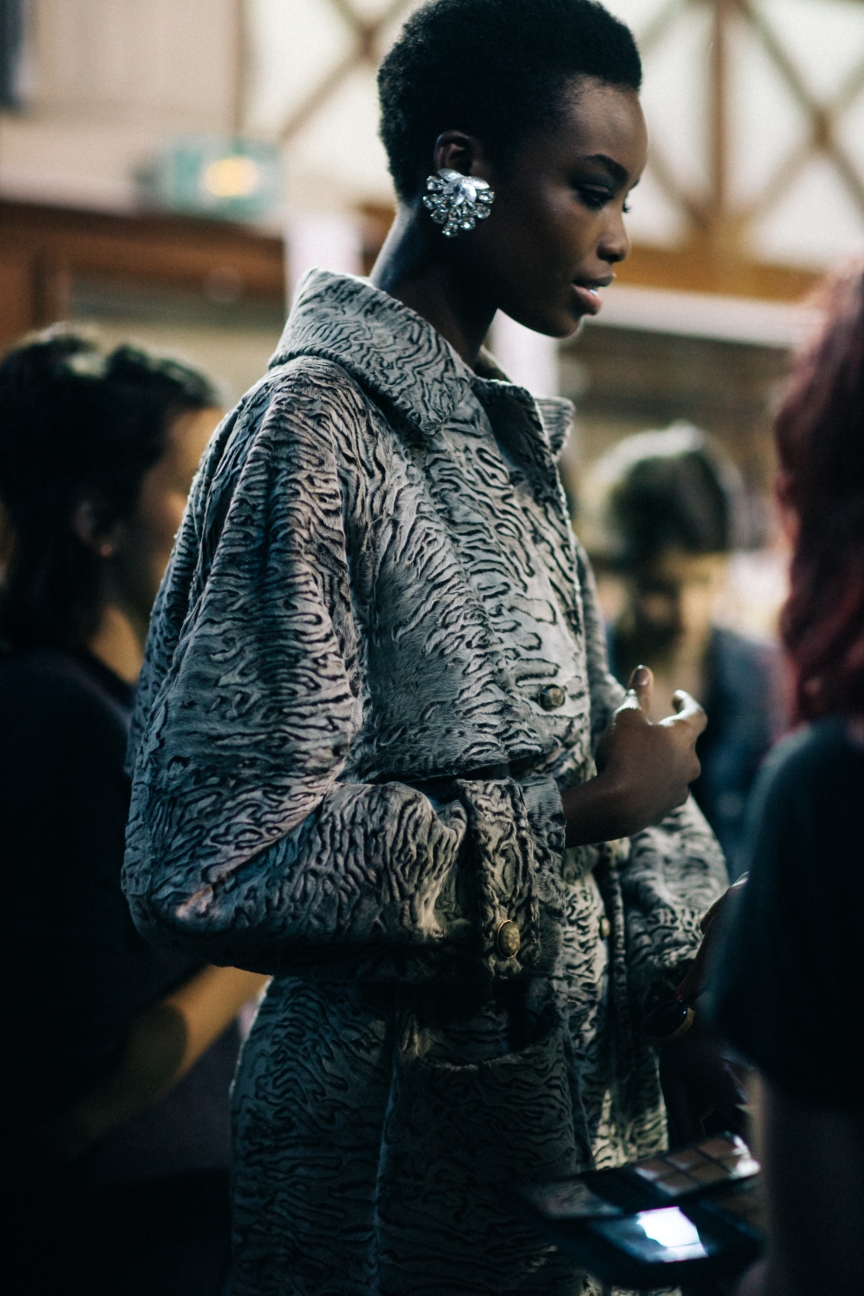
(698, 267)
(44, 247)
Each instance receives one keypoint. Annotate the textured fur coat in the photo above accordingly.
(375, 660)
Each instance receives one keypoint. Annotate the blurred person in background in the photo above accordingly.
(786, 991)
(671, 504)
(119, 1056)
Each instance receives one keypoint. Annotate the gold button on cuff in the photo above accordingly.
(605, 929)
(508, 939)
(551, 696)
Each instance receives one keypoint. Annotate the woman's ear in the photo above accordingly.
(456, 151)
(88, 526)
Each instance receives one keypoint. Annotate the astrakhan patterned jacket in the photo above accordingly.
(375, 660)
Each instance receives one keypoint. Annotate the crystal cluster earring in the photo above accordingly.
(457, 202)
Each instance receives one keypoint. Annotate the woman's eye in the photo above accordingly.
(593, 198)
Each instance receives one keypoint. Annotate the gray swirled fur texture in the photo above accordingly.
(374, 578)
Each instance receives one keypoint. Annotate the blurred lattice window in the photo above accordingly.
(756, 110)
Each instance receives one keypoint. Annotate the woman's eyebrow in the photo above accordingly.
(618, 173)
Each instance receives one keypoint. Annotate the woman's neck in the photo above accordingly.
(118, 644)
(415, 268)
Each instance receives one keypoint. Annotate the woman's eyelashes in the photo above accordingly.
(595, 197)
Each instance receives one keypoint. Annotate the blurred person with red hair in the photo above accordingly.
(785, 993)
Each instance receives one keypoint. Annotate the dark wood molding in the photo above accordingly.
(698, 267)
(42, 248)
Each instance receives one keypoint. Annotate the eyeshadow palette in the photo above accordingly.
(722, 1160)
(697, 1208)
(655, 1181)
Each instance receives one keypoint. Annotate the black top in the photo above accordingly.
(787, 993)
(745, 716)
(76, 970)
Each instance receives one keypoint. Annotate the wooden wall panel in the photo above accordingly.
(42, 248)
(698, 268)
(16, 295)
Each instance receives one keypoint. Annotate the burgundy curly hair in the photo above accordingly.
(820, 439)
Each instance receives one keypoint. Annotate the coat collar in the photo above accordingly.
(398, 355)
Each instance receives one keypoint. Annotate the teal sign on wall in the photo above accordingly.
(235, 179)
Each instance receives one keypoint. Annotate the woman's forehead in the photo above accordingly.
(601, 123)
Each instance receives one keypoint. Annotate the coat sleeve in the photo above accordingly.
(244, 844)
(674, 873)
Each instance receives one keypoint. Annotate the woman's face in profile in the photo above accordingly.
(143, 552)
(674, 599)
(557, 226)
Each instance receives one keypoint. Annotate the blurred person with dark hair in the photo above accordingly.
(672, 503)
(786, 992)
(115, 1115)
(372, 698)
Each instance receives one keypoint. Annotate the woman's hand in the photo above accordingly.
(712, 925)
(698, 1079)
(644, 769)
(697, 1076)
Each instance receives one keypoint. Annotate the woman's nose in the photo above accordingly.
(614, 245)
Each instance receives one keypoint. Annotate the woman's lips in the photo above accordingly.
(589, 298)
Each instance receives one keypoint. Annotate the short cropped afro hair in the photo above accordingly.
(494, 69)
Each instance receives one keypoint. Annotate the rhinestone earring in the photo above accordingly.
(457, 202)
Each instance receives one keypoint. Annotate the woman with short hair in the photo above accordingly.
(366, 754)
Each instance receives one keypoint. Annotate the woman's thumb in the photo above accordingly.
(642, 684)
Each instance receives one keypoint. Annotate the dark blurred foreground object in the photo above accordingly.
(691, 1216)
(673, 513)
(787, 998)
(115, 1121)
(168, 1236)
(787, 992)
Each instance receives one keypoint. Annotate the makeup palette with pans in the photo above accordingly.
(693, 1215)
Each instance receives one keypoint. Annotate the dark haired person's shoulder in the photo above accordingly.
(747, 649)
(833, 743)
(811, 789)
(750, 671)
(54, 703)
(791, 958)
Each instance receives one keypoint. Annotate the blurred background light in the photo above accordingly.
(236, 179)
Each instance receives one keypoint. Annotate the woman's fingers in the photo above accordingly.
(687, 709)
(641, 689)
